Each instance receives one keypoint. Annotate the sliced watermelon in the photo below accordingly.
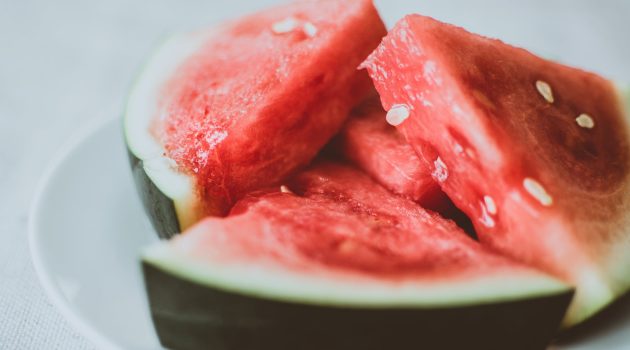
(374, 146)
(535, 152)
(221, 112)
(379, 150)
(334, 261)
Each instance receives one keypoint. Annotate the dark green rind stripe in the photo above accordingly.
(187, 315)
(159, 208)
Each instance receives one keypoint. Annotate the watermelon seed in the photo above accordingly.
(545, 90)
(310, 29)
(441, 171)
(490, 204)
(584, 120)
(287, 25)
(537, 191)
(285, 189)
(458, 149)
(397, 114)
(485, 219)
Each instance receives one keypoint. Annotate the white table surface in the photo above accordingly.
(66, 63)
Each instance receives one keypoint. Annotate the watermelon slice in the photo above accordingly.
(375, 147)
(221, 112)
(334, 261)
(379, 150)
(535, 152)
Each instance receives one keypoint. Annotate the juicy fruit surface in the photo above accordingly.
(337, 219)
(380, 151)
(536, 153)
(282, 79)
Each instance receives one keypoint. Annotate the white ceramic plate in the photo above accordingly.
(86, 230)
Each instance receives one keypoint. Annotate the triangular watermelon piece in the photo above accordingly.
(221, 112)
(334, 261)
(378, 149)
(535, 152)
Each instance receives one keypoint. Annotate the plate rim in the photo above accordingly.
(54, 295)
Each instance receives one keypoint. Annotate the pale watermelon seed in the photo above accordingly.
(285, 189)
(441, 171)
(485, 219)
(537, 191)
(397, 114)
(287, 25)
(490, 204)
(458, 148)
(584, 120)
(310, 29)
(545, 90)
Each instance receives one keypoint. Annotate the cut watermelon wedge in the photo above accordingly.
(379, 150)
(374, 146)
(338, 262)
(221, 112)
(536, 153)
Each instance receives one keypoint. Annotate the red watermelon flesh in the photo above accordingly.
(336, 221)
(380, 151)
(535, 152)
(264, 93)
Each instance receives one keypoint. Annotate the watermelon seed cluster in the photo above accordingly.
(536, 190)
(583, 120)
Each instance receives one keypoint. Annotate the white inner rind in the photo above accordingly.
(143, 107)
(273, 281)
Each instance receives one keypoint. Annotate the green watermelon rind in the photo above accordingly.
(196, 305)
(192, 316)
(302, 288)
(169, 197)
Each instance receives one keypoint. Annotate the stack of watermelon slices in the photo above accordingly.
(291, 240)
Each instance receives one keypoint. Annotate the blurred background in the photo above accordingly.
(69, 63)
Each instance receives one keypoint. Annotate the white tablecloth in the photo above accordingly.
(66, 63)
